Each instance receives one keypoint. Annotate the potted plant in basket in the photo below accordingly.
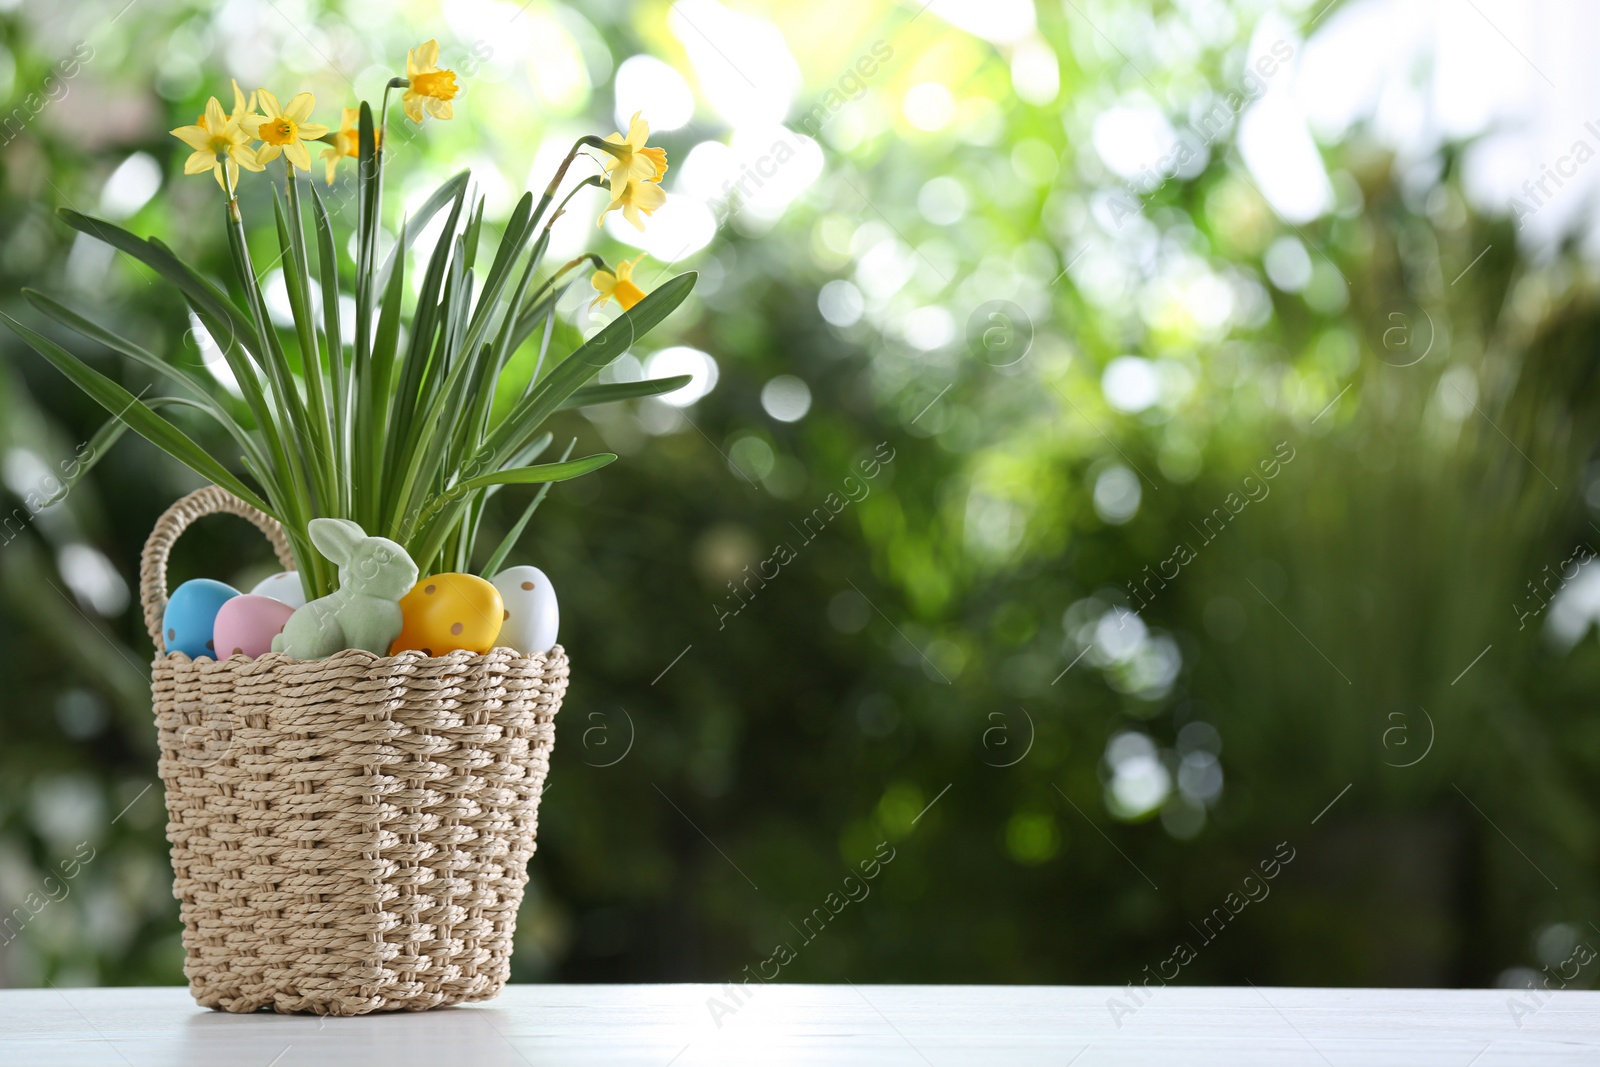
(350, 826)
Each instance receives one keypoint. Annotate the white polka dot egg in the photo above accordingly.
(532, 616)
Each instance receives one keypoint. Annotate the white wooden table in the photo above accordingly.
(658, 1025)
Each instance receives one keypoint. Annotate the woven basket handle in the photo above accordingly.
(153, 564)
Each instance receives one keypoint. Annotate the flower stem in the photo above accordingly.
(593, 179)
(561, 172)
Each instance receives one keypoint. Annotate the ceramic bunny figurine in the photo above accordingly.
(374, 573)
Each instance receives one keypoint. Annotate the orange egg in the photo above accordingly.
(448, 612)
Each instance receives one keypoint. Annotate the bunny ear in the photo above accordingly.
(335, 538)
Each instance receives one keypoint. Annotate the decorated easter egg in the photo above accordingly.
(448, 612)
(531, 615)
(283, 587)
(247, 624)
(191, 616)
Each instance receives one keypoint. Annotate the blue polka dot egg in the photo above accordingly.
(191, 616)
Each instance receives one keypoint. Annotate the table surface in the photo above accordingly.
(684, 1025)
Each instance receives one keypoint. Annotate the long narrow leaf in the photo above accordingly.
(368, 177)
(419, 220)
(333, 337)
(231, 329)
(600, 350)
(184, 376)
(487, 377)
(424, 443)
(159, 258)
(474, 227)
(311, 365)
(380, 380)
(590, 395)
(544, 348)
(101, 442)
(145, 422)
(507, 543)
(297, 499)
(314, 426)
(515, 239)
(272, 357)
(437, 519)
(544, 300)
(424, 328)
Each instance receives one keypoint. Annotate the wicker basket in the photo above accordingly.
(349, 834)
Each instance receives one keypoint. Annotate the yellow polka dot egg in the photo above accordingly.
(447, 612)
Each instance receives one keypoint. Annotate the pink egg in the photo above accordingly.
(247, 624)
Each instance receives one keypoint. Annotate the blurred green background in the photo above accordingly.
(1074, 762)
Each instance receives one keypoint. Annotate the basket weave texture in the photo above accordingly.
(350, 834)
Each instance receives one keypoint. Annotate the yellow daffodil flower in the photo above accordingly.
(347, 142)
(619, 285)
(242, 105)
(431, 89)
(221, 145)
(284, 130)
(633, 161)
(636, 196)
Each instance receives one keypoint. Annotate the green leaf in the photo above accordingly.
(539, 472)
(289, 449)
(507, 543)
(474, 225)
(605, 346)
(487, 376)
(102, 442)
(311, 430)
(333, 337)
(159, 258)
(610, 394)
(425, 324)
(109, 433)
(419, 221)
(514, 240)
(384, 349)
(368, 182)
(130, 409)
(297, 274)
(440, 515)
(544, 301)
(184, 376)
